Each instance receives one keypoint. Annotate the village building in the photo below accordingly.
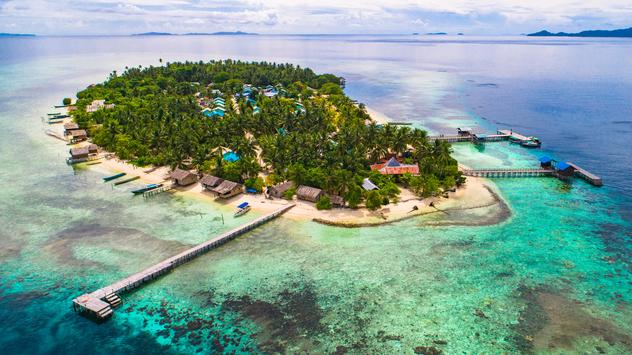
(209, 182)
(183, 177)
(97, 105)
(79, 153)
(564, 170)
(546, 162)
(368, 185)
(69, 127)
(227, 189)
(393, 167)
(336, 201)
(308, 193)
(93, 148)
(279, 189)
(78, 135)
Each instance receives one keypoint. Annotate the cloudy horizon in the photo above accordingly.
(485, 17)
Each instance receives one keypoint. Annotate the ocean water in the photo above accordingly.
(555, 277)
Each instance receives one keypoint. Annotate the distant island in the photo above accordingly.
(153, 34)
(222, 33)
(590, 33)
(436, 33)
(16, 35)
(236, 33)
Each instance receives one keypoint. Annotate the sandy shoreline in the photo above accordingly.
(476, 193)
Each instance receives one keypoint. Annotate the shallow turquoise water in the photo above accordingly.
(554, 277)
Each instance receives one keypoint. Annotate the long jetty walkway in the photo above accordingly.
(499, 173)
(99, 303)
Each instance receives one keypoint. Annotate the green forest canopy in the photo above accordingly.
(329, 144)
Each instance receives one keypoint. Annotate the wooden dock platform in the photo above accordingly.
(98, 304)
(587, 175)
(507, 173)
(157, 191)
(512, 134)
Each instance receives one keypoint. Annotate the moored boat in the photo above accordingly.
(146, 188)
(242, 209)
(115, 176)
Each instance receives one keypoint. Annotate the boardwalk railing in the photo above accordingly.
(500, 173)
(96, 303)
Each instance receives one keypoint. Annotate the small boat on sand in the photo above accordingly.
(242, 209)
(146, 188)
(115, 176)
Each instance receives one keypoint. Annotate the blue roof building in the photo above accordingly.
(545, 159)
(231, 157)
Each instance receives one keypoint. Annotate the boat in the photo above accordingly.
(54, 114)
(146, 188)
(533, 142)
(242, 209)
(115, 176)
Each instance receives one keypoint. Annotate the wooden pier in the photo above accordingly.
(157, 191)
(507, 173)
(98, 304)
(587, 175)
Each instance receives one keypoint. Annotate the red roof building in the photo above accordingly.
(393, 167)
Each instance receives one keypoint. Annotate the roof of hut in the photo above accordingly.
(226, 186)
(545, 159)
(562, 166)
(79, 151)
(78, 133)
(336, 200)
(368, 185)
(180, 174)
(211, 180)
(284, 186)
(70, 126)
(308, 191)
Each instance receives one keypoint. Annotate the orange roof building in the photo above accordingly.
(393, 167)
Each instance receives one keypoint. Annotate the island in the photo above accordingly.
(627, 32)
(16, 35)
(153, 34)
(275, 131)
(222, 33)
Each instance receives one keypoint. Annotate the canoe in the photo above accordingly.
(116, 176)
(121, 182)
(54, 114)
(242, 209)
(146, 188)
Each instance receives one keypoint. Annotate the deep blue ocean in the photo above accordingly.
(554, 277)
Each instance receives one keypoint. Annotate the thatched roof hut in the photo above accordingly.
(79, 153)
(210, 181)
(308, 193)
(78, 134)
(279, 189)
(69, 127)
(336, 200)
(183, 177)
(228, 189)
(93, 148)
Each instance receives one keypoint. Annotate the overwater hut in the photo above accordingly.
(368, 185)
(546, 162)
(564, 170)
(228, 189)
(393, 167)
(78, 135)
(69, 127)
(79, 153)
(183, 177)
(336, 201)
(308, 193)
(209, 182)
(464, 131)
(279, 189)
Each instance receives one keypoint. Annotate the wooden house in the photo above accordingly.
(308, 193)
(336, 201)
(69, 127)
(227, 189)
(93, 148)
(79, 153)
(279, 189)
(78, 135)
(546, 162)
(183, 177)
(564, 170)
(210, 182)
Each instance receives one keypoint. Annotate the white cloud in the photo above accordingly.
(302, 16)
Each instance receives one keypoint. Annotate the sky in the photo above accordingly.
(483, 17)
